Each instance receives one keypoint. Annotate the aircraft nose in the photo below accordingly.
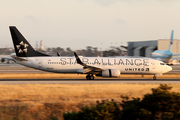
(168, 68)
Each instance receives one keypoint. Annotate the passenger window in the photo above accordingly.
(161, 63)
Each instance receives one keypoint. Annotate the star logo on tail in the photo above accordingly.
(22, 47)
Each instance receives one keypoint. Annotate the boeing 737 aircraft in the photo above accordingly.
(99, 66)
(166, 55)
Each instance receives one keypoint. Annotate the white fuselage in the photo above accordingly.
(69, 64)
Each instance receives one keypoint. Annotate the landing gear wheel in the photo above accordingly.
(90, 77)
(154, 78)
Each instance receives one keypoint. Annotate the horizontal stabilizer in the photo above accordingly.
(19, 58)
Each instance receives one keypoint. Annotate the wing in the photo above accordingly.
(88, 68)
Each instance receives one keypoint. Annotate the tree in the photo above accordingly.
(68, 49)
(161, 104)
(106, 110)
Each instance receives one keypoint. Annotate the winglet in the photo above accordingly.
(58, 54)
(171, 42)
(78, 59)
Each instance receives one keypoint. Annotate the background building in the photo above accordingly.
(145, 48)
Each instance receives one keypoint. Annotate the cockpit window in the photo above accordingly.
(162, 64)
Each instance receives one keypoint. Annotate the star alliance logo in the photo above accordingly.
(22, 47)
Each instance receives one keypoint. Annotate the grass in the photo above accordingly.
(37, 101)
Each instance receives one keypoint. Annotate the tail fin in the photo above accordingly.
(171, 42)
(22, 46)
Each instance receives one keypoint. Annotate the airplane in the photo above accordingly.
(99, 66)
(8, 59)
(165, 55)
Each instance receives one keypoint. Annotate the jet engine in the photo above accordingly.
(2, 60)
(109, 73)
(5, 60)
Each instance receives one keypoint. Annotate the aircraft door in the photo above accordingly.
(39, 63)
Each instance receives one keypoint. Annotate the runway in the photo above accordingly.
(84, 81)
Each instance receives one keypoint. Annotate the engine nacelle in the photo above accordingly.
(110, 73)
(2, 60)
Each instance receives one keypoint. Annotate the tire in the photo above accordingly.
(87, 77)
(91, 77)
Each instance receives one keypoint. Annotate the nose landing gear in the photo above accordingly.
(90, 77)
(154, 78)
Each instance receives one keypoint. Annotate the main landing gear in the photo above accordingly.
(154, 78)
(90, 77)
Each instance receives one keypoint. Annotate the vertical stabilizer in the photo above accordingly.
(171, 41)
(21, 45)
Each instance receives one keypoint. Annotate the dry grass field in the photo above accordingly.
(39, 101)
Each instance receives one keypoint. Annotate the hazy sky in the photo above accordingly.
(80, 23)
